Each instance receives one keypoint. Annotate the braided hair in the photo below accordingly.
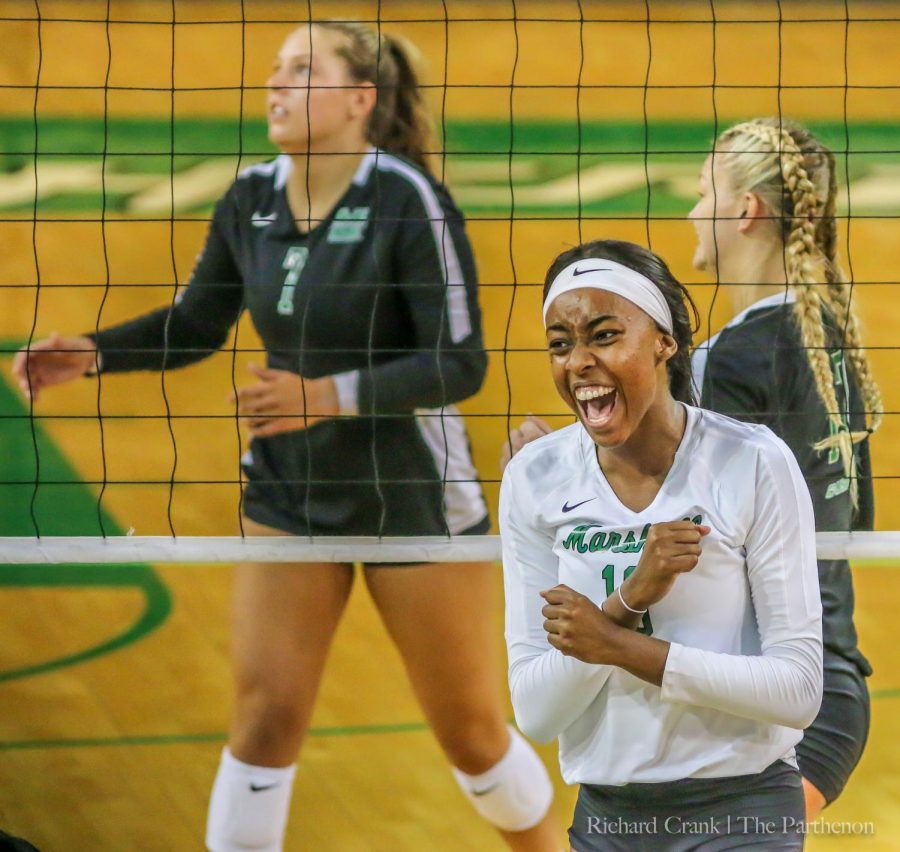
(794, 175)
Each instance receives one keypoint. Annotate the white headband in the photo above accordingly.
(602, 274)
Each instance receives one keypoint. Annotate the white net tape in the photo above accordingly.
(209, 549)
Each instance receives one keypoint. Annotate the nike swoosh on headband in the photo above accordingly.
(577, 271)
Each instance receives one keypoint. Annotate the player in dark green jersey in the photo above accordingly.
(354, 265)
(792, 359)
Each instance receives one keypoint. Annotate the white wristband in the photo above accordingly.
(347, 387)
(622, 600)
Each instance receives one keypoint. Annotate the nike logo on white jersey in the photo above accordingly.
(260, 221)
(567, 508)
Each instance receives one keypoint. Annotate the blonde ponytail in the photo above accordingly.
(839, 292)
(794, 175)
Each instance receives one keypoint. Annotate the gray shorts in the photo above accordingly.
(765, 811)
(833, 744)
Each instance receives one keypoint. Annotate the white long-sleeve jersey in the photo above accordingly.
(744, 670)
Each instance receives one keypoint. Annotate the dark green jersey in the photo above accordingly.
(381, 295)
(755, 369)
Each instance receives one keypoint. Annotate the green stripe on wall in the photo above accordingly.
(538, 152)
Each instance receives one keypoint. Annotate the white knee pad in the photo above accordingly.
(248, 809)
(515, 793)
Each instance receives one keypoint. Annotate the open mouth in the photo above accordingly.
(597, 404)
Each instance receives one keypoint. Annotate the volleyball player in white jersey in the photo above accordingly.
(792, 359)
(662, 609)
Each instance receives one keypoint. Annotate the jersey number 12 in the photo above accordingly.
(609, 575)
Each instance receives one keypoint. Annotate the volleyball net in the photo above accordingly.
(122, 124)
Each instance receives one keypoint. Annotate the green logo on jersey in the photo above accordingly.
(839, 486)
(610, 540)
(349, 225)
(604, 540)
(842, 392)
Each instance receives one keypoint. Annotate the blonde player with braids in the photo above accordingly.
(792, 359)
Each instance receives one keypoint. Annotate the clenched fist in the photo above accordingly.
(670, 549)
(577, 627)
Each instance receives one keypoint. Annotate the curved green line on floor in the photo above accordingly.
(157, 605)
(67, 508)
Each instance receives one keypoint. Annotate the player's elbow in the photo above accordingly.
(189, 339)
(211, 337)
(532, 716)
(805, 662)
(536, 726)
(799, 715)
(802, 706)
(476, 370)
(810, 702)
(467, 369)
